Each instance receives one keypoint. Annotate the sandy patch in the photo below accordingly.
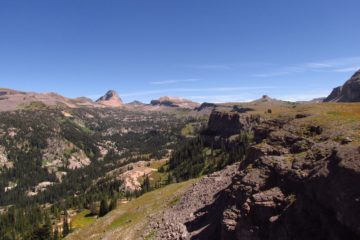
(133, 178)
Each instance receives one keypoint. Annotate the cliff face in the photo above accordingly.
(225, 126)
(349, 92)
(307, 195)
(290, 186)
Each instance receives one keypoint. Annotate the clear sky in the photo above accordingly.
(205, 50)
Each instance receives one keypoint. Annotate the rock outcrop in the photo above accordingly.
(226, 124)
(174, 102)
(349, 92)
(185, 219)
(309, 197)
(206, 106)
(290, 186)
(110, 99)
(225, 127)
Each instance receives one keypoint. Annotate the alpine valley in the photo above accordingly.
(80, 169)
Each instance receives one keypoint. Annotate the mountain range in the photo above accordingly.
(13, 99)
(175, 169)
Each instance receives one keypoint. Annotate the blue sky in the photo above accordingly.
(204, 50)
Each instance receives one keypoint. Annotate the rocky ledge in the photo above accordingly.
(290, 186)
(185, 219)
(293, 187)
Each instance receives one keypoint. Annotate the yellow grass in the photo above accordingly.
(338, 119)
(82, 219)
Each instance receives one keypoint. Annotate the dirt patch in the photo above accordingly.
(133, 178)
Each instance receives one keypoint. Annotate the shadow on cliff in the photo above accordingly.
(207, 224)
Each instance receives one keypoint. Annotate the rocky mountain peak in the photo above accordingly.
(349, 92)
(110, 99)
(357, 74)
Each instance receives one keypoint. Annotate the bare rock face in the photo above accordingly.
(199, 206)
(290, 186)
(110, 99)
(174, 102)
(225, 127)
(349, 92)
(226, 124)
(282, 196)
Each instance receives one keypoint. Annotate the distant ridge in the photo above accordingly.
(136, 103)
(174, 102)
(12, 99)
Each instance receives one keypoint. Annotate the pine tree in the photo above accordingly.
(113, 204)
(56, 234)
(146, 184)
(47, 228)
(104, 208)
(41, 233)
(66, 229)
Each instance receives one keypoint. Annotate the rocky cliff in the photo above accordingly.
(292, 187)
(226, 124)
(295, 183)
(349, 92)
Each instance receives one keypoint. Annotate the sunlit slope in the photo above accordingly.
(128, 220)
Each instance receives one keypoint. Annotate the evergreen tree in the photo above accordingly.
(146, 184)
(66, 228)
(113, 204)
(41, 233)
(104, 208)
(56, 234)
